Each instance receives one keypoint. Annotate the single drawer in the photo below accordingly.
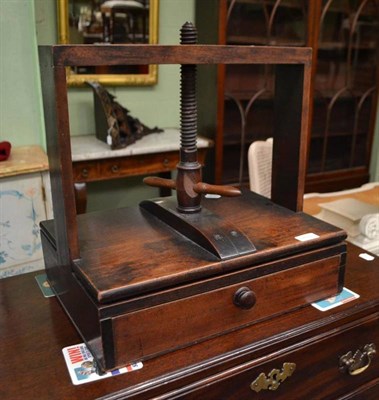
(147, 332)
(324, 367)
(85, 171)
(138, 165)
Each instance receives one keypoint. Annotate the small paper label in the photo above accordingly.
(44, 285)
(109, 137)
(82, 367)
(366, 256)
(306, 236)
(345, 296)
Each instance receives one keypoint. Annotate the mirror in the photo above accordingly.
(109, 22)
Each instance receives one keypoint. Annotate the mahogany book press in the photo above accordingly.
(139, 282)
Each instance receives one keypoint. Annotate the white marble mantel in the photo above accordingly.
(88, 147)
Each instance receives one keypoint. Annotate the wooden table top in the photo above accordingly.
(24, 160)
(368, 193)
(34, 330)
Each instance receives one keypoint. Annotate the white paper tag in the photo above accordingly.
(366, 256)
(109, 137)
(306, 236)
(109, 140)
(82, 368)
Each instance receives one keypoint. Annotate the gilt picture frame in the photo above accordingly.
(68, 34)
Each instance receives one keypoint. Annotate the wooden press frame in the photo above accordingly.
(291, 107)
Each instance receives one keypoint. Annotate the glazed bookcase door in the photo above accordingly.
(249, 91)
(344, 37)
(345, 87)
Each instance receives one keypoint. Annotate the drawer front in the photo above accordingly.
(119, 167)
(85, 171)
(147, 332)
(138, 165)
(311, 371)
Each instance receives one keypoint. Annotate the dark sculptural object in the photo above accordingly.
(114, 124)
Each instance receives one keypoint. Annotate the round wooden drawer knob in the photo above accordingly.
(244, 298)
(115, 168)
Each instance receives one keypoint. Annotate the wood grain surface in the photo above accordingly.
(128, 251)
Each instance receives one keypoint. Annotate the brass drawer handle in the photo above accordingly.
(355, 364)
(274, 378)
(85, 173)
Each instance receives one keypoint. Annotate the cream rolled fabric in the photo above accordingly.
(369, 226)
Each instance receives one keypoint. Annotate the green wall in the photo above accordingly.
(21, 120)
